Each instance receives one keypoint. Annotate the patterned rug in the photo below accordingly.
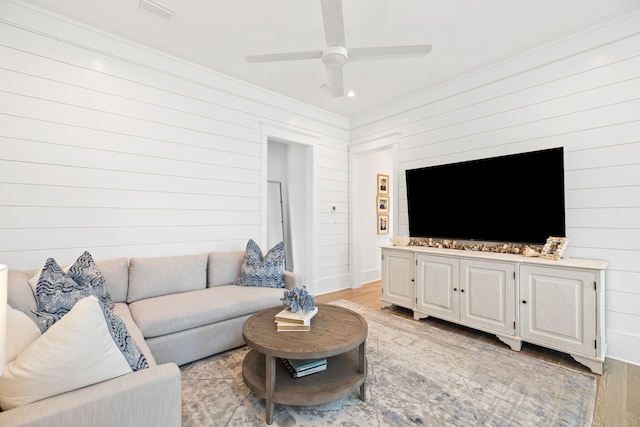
(418, 375)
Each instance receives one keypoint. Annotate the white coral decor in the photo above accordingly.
(400, 240)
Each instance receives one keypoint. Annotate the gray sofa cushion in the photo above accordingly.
(152, 277)
(224, 268)
(178, 312)
(123, 312)
(20, 293)
(116, 275)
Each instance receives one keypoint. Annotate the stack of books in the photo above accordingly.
(302, 367)
(286, 321)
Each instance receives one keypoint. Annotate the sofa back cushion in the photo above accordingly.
(152, 277)
(116, 275)
(224, 268)
(20, 294)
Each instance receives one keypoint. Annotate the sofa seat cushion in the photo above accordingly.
(122, 311)
(168, 314)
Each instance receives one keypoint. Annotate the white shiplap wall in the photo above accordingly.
(114, 148)
(581, 93)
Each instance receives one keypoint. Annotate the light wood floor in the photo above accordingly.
(618, 395)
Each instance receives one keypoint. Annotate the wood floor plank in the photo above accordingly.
(633, 396)
(611, 395)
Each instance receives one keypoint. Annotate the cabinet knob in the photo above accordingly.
(455, 289)
(461, 290)
(524, 302)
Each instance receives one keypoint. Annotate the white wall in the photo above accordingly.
(582, 93)
(114, 148)
(369, 165)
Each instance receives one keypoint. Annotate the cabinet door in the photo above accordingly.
(558, 308)
(488, 295)
(398, 286)
(437, 286)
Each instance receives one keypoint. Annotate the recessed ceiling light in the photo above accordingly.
(327, 86)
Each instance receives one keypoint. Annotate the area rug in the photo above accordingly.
(418, 375)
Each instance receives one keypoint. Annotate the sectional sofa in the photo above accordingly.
(177, 310)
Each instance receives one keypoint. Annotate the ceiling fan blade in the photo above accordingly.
(333, 22)
(288, 56)
(336, 80)
(385, 52)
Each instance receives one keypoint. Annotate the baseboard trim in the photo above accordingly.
(624, 345)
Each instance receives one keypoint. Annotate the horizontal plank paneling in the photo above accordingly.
(623, 281)
(108, 146)
(28, 239)
(40, 217)
(623, 302)
(623, 322)
(604, 218)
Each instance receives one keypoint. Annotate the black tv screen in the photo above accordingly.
(513, 199)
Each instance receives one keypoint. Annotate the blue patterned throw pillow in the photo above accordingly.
(267, 271)
(86, 273)
(123, 340)
(57, 291)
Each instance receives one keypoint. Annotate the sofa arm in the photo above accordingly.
(149, 397)
(291, 280)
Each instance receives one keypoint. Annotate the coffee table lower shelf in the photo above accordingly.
(339, 379)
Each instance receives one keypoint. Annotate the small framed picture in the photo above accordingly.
(383, 224)
(383, 184)
(554, 248)
(382, 204)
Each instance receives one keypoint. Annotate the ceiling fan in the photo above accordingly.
(336, 55)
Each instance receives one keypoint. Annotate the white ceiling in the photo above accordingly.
(466, 35)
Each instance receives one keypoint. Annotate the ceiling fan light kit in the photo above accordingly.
(335, 56)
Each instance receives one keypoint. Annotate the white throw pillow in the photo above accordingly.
(21, 332)
(75, 352)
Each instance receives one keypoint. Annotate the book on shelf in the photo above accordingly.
(301, 367)
(291, 327)
(304, 319)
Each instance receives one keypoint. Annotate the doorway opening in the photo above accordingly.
(366, 161)
(287, 210)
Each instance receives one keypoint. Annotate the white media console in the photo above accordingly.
(554, 304)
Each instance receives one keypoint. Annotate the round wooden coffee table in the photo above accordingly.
(336, 333)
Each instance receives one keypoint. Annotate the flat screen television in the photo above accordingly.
(515, 198)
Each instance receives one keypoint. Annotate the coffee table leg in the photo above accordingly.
(270, 386)
(362, 368)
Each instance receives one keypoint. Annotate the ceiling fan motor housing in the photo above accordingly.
(335, 56)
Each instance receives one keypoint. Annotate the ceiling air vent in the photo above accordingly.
(157, 9)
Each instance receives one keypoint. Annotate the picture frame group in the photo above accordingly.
(383, 203)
